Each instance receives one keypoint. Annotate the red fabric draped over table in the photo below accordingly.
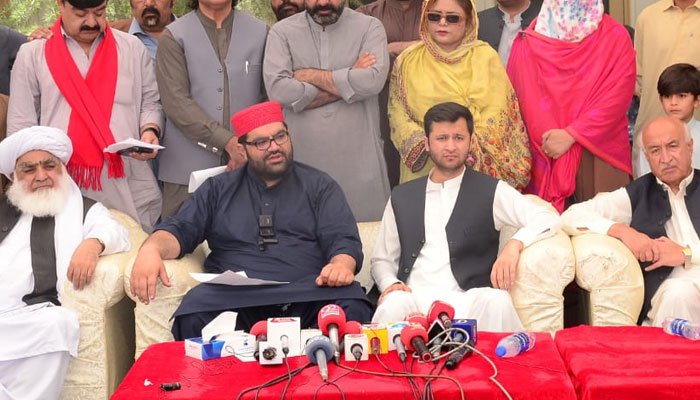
(631, 362)
(538, 374)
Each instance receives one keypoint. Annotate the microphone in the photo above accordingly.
(395, 338)
(376, 345)
(442, 312)
(419, 318)
(414, 337)
(259, 330)
(455, 358)
(353, 328)
(331, 321)
(284, 343)
(318, 351)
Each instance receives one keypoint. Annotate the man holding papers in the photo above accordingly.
(275, 219)
(98, 85)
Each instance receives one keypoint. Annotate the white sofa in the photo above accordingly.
(106, 348)
(612, 278)
(545, 268)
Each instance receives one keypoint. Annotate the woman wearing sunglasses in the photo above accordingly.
(450, 64)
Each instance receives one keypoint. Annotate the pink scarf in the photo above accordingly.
(584, 88)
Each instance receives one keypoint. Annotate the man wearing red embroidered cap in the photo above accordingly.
(274, 219)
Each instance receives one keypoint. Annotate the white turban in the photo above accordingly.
(45, 138)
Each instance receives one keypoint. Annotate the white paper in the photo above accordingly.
(198, 177)
(223, 323)
(130, 142)
(232, 279)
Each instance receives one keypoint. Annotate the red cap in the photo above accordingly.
(256, 116)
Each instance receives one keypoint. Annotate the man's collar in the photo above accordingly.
(135, 28)
(259, 182)
(520, 14)
(668, 4)
(682, 186)
(450, 183)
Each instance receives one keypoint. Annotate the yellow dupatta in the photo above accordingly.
(471, 75)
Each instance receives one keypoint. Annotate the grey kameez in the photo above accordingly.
(341, 138)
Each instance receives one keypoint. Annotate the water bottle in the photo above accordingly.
(681, 327)
(511, 346)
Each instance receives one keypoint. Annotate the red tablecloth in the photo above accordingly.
(630, 363)
(538, 374)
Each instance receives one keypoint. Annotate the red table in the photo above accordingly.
(539, 374)
(630, 363)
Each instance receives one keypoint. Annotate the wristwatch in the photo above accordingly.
(688, 257)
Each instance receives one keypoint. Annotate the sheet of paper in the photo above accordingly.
(198, 177)
(130, 142)
(232, 279)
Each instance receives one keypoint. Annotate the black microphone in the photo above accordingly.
(455, 358)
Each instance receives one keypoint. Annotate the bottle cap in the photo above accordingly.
(500, 351)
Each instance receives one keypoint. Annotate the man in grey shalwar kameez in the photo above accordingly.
(326, 66)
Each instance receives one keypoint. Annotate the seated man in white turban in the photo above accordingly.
(48, 232)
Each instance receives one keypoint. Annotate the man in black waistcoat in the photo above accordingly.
(48, 233)
(439, 235)
(657, 217)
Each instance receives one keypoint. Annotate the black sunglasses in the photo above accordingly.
(450, 18)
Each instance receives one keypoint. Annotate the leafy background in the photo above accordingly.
(26, 15)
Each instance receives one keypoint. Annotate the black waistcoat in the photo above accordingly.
(651, 209)
(471, 235)
(42, 247)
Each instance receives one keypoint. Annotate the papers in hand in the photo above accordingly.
(232, 279)
(198, 177)
(130, 142)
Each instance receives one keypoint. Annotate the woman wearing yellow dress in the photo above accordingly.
(450, 64)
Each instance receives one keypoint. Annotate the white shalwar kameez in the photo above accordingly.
(36, 340)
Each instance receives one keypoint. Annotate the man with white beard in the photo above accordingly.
(48, 232)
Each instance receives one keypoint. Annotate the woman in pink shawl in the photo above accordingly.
(573, 70)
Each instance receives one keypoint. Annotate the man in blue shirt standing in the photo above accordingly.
(274, 219)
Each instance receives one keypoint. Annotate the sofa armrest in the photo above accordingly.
(105, 348)
(606, 268)
(153, 321)
(368, 236)
(544, 270)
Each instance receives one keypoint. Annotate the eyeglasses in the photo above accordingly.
(263, 144)
(450, 18)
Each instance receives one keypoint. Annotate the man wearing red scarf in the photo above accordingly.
(98, 85)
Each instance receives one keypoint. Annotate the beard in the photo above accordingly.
(41, 202)
(286, 9)
(150, 17)
(268, 172)
(328, 19)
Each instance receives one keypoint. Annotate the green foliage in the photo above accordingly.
(27, 15)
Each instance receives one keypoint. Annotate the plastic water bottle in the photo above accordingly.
(682, 327)
(511, 346)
